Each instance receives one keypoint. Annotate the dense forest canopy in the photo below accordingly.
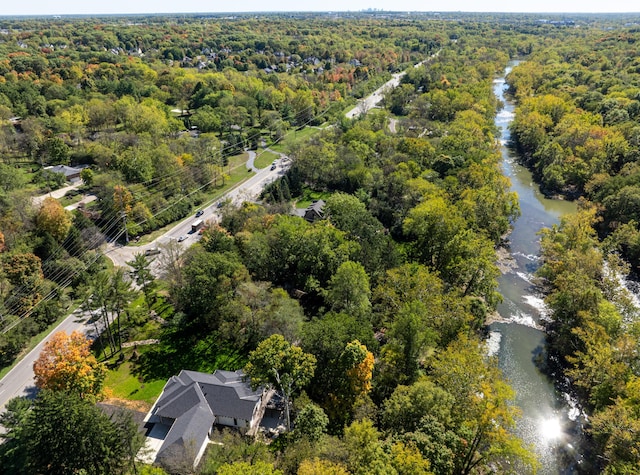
(377, 310)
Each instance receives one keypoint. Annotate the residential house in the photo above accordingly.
(315, 211)
(192, 404)
(71, 174)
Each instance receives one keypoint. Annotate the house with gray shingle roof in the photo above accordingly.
(71, 174)
(192, 404)
(315, 211)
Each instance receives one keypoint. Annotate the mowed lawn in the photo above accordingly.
(121, 383)
(141, 378)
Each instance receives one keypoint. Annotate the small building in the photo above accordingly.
(192, 404)
(71, 174)
(315, 211)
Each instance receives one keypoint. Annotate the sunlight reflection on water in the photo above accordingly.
(550, 429)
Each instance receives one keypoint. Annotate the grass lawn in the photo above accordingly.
(142, 378)
(121, 383)
(71, 199)
(292, 137)
(265, 158)
(141, 372)
(308, 196)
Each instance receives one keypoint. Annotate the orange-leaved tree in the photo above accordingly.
(66, 364)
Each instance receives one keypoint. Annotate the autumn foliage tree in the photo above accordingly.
(53, 219)
(66, 364)
(353, 380)
(278, 364)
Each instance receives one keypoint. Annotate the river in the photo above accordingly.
(550, 422)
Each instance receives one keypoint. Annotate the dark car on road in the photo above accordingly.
(199, 213)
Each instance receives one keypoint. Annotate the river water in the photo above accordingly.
(550, 422)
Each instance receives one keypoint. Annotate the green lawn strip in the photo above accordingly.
(69, 200)
(265, 158)
(121, 383)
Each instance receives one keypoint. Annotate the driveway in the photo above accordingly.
(57, 194)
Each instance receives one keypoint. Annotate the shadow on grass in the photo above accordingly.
(179, 350)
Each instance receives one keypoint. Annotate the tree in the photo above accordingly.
(210, 280)
(349, 291)
(144, 278)
(257, 312)
(23, 271)
(64, 433)
(57, 151)
(311, 422)
(100, 299)
(278, 364)
(321, 467)
(87, 176)
(121, 294)
(366, 453)
(616, 430)
(52, 218)
(66, 364)
(407, 460)
(14, 419)
(432, 225)
(349, 214)
(482, 410)
(171, 262)
(246, 468)
(405, 408)
(349, 382)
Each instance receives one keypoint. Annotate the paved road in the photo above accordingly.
(371, 101)
(246, 191)
(19, 381)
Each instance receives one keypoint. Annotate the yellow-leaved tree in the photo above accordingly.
(66, 364)
(53, 219)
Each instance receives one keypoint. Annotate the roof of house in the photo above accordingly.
(67, 171)
(317, 205)
(315, 210)
(226, 392)
(188, 433)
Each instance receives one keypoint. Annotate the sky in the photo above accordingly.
(64, 7)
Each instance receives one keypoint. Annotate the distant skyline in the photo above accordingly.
(87, 7)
